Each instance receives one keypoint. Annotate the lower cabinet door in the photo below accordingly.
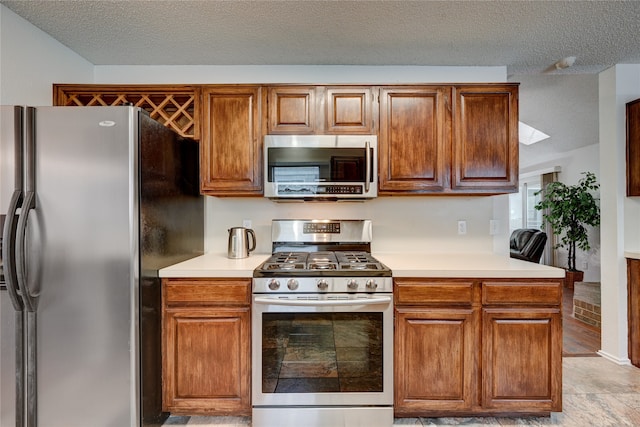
(522, 359)
(206, 362)
(435, 364)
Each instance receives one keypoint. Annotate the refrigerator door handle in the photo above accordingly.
(30, 300)
(8, 250)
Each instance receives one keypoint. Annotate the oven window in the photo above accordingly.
(321, 352)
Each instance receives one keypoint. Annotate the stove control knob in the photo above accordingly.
(292, 284)
(274, 285)
(352, 284)
(371, 285)
(323, 285)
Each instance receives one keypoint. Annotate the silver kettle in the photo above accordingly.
(239, 242)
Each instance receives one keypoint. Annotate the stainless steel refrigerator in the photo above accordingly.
(94, 200)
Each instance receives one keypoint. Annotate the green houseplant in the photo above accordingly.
(568, 209)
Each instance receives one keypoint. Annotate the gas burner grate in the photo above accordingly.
(354, 257)
(322, 266)
(288, 257)
(322, 262)
(360, 266)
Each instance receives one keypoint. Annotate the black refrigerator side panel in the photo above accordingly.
(171, 230)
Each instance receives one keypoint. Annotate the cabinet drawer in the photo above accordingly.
(425, 292)
(198, 291)
(535, 293)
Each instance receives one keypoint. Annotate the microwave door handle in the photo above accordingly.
(367, 170)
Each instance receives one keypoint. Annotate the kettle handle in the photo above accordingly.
(253, 238)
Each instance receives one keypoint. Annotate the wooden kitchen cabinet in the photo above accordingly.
(231, 146)
(633, 148)
(206, 345)
(175, 106)
(433, 139)
(348, 110)
(435, 357)
(436, 341)
(414, 149)
(485, 139)
(457, 140)
(320, 110)
(633, 310)
(477, 346)
(292, 110)
(522, 360)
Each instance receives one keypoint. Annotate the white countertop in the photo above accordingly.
(478, 265)
(482, 265)
(632, 254)
(215, 265)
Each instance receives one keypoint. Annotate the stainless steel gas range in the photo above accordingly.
(322, 327)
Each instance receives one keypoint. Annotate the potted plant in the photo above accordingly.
(568, 209)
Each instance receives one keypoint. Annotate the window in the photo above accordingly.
(522, 211)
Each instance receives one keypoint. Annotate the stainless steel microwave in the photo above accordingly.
(320, 167)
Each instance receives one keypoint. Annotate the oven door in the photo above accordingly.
(320, 166)
(322, 350)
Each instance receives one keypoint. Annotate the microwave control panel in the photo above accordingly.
(289, 189)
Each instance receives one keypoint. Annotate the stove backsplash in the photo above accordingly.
(400, 224)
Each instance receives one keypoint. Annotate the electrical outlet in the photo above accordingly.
(246, 223)
(494, 226)
(584, 265)
(462, 227)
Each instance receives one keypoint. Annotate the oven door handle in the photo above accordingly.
(323, 303)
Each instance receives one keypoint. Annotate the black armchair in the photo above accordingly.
(527, 244)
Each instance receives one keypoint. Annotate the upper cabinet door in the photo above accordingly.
(485, 139)
(413, 146)
(292, 110)
(231, 147)
(320, 110)
(348, 110)
(633, 148)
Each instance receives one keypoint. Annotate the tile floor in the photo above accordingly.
(596, 392)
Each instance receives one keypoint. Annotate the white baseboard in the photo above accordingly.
(614, 359)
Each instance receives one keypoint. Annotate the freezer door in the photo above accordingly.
(7, 361)
(12, 369)
(81, 255)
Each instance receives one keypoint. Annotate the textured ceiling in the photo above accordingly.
(526, 36)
